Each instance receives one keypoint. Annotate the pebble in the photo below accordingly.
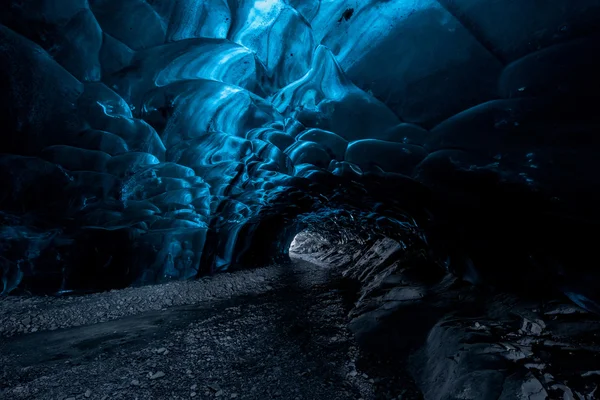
(88, 393)
(157, 375)
(193, 394)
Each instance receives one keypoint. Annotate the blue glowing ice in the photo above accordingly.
(190, 129)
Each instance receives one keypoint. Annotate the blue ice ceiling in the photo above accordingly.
(165, 134)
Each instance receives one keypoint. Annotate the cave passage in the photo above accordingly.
(436, 160)
(308, 242)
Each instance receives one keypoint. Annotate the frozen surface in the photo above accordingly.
(279, 36)
(326, 98)
(179, 138)
(441, 155)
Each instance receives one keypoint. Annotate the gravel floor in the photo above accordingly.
(291, 331)
(275, 332)
(31, 314)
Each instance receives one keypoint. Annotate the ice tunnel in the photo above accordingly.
(147, 141)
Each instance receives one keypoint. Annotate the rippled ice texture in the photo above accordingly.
(176, 123)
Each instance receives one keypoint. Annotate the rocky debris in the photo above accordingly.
(156, 375)
(463, 341)
(29, 314)
(421, 331)
(289, 343)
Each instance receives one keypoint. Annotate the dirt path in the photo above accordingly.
(290, 342)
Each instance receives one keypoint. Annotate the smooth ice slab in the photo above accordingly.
(66, 29)
(514, 28)
(213, 59)
(194, 18)
(133, 22)
(189, 109)
(281, 38)
(105, 110)
(411, 54)
(371, 154)
(38, 96)
(325, 98)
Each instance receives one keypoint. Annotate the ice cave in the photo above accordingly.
(300, 199)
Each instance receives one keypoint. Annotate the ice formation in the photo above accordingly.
(153, 140)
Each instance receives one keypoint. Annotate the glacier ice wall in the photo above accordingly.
(151, 140)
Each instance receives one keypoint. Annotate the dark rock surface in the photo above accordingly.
(460, 341)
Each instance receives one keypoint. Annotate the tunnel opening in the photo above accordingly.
(309, 242)
(342, 209)
(331, 232)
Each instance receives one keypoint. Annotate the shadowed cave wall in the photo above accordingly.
(145, 141)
